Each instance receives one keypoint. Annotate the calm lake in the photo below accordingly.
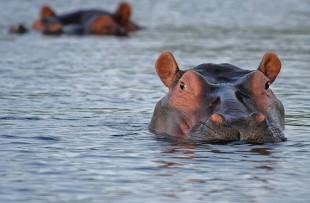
(74, 111)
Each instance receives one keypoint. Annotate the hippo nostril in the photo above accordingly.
(217, 118)
(258, 117)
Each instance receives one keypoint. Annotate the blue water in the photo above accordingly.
(74, 111)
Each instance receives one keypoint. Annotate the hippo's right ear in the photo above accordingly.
(270, 66)
(167, 68)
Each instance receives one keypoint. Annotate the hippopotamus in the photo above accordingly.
(219, 103)
(82, 22)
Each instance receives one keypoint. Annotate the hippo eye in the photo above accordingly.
(267, 85)
(182, 85)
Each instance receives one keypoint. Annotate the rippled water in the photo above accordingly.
(75, 110)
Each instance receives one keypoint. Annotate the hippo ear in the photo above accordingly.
(122, 14)
(270, 66)
(47, 12)
(166, 68)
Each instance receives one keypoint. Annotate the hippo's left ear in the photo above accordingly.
(166, 68)
(47, 12)
(270, 66)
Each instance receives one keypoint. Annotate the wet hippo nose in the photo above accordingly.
(238, 122)
(216, 118)
(257, 117)
(251, 128)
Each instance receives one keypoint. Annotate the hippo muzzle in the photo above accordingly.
(219, 103)
(255, 129)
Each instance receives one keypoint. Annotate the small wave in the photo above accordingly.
(45, 138)
(19, 118)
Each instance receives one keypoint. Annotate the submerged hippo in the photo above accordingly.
(83, 22)
(90, 21)
(219, 102)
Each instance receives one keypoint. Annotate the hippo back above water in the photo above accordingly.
(219, 103)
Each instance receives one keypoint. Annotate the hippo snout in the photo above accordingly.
(254, 129)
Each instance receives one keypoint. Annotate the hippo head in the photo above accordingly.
(219, 103)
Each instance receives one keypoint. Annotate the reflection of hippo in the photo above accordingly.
(219, 102)
(93, 21)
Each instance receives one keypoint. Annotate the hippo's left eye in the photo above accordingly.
(182, 85)
(267, 85)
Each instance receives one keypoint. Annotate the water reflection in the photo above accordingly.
(167, 164)
(216, 167)
(261, 151)
(190, 148)
(177, 155)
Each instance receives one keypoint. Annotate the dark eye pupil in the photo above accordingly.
(182, 86)
(267, 85)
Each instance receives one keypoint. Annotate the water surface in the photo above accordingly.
(75, 110)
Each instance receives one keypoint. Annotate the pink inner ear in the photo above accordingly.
(166, 68)
(270, 66)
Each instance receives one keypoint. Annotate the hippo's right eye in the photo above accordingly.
(182, 85)
(267, 85)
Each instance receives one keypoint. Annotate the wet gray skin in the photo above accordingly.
(219, 103)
